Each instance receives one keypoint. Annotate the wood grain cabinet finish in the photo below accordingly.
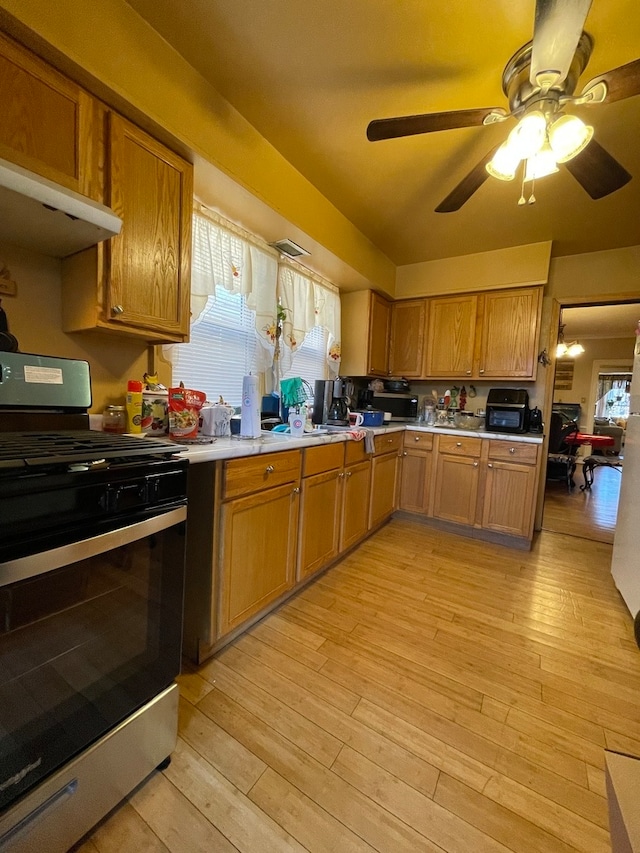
(258, 532)
(384, 477)
(46, 119)
(408, 330)
(356, 491)
(415, 483)
(457, 477)
(320, 508)
(366, 321)
(511, 476)
(491, 335)
(138, 282)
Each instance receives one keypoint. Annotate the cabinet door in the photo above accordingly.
(456, 488)
(319, 522)
(408, 327)
(450, 339)
(151, 188)
(509, 498)
(383, 488)
(355, 504)
(510, 332)
(45, 118)
(379, 323)
(415, 480)
(257, 552)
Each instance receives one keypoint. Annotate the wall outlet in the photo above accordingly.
(8, 287)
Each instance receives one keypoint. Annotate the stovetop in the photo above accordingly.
(40, 449)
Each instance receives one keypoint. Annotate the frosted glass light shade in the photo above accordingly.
(575, 349)
(568, 135)
(541, 164)
(528, 136)
(504, 163)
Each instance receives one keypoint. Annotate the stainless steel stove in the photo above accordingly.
(92, 538)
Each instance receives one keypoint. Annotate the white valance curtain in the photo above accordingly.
(289, 301)
(226, 257)
(307, 302)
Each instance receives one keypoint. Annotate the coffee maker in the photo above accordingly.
(331, 401)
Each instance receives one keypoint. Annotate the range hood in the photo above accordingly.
(37, 214)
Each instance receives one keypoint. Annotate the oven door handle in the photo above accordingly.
(46, 561)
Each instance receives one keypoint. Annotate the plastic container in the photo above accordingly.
(155, 412)
(134, 406)
(114, 420)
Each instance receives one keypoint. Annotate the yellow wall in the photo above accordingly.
(35, 318)
(518, 265)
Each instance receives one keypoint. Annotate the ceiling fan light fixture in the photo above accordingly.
(575, 349)
(542, 163)
(504, 163)
(568, 136)
(528, 136)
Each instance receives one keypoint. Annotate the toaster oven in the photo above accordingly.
(507, 410)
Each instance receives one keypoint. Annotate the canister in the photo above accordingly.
(155, 412)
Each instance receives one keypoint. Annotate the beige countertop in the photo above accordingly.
(233, 448)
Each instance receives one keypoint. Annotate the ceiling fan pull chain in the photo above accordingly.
(522, 199)
(532, 198)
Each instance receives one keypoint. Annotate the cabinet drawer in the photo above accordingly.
(354, 451)
(459, 446)
(243, 476)
(423, 440)
(388, 442)
(325, 457)
(513, 451)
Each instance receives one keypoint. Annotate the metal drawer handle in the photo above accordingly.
(349, 473)
(340, 475)
(475, 464)
(389, 440)
(117, 309)
(269, 469)
(296, 491)
(512, 450)
(490, 465)
(482, 370)
(458, 444)
(416, 438)
(405, 453)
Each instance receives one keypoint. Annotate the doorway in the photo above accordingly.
(606, 332)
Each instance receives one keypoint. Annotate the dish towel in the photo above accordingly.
(367, 435)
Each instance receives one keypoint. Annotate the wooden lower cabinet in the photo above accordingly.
(319, 534)
(356, 489)
(510, 488)
(456, 488)
(258, 552)
(384, 473)
(415, 481)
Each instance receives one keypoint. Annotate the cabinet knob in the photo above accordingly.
(296, 491)
(481, 370)
(458, 444)
(416, 438)
(341, 475)
(512, 450)
(490, 465)
(389, 441)
(468, 372)
(269, 469)
(405, 453)
(475, 464)
(349, 473)
(117, 309)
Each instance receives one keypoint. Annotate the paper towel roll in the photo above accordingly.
(250, 411)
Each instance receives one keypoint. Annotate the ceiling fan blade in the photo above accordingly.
(597, 171)
(467, 186)
(557, 30)
(391, 128)
(622, 82)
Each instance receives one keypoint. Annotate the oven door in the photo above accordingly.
(506, 419)
(89, 632)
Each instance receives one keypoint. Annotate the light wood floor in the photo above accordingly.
(429, 693)
(590, 514)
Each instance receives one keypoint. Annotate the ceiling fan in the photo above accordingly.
(539, 81)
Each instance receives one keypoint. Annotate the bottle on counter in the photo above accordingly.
(134, 406)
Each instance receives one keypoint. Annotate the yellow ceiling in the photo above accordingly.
(309, 76)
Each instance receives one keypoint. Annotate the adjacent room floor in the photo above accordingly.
(429, 693)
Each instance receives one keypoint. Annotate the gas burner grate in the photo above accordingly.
(31, 449)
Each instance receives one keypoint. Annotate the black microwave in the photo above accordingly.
(403, 407)
(507, 410)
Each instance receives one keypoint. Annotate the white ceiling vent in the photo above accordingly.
(289, 248)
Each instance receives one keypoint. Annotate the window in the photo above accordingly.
(310, 360)
(221, 350)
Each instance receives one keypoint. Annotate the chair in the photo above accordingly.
(561, 456)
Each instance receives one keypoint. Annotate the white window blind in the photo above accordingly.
(310, 360)
(221, 350)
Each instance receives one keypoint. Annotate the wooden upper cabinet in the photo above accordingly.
(509, 333)
(366, 321)
(137, 283)
(379, 324)
(151, 188)
(450, 336)
(408, 328)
